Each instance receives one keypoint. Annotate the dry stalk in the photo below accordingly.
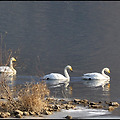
(32, 97)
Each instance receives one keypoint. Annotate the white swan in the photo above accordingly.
(9, 70)
(59, 76)
(91, 76)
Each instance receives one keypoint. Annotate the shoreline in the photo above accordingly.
(57, 105)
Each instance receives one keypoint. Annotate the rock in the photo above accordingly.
(61, 100)
(26, 113)
(50, 109)
(100, 102)
(77, 100)
(96, 106)
(113, 104)
(93, 103)
(18, 112)
(7, 113)
(18, 116)
(85, 101)
(68, 117)
(45, 112)
(37, 113)
(56, 107)
(3, 115)
(71, 102)
(111, 108)
(32, 113)
(68, 106)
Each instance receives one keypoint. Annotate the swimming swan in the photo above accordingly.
(89, 76)
(59, 76)
(8, 69)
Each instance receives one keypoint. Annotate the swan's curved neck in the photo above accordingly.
(103, 73)
(11, 64)
(66, 74)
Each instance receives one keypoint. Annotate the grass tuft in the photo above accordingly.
(30, 97)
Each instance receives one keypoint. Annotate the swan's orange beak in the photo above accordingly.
(14, 59)
(71, 69)
(109, 71)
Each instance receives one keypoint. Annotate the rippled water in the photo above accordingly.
(51, 34)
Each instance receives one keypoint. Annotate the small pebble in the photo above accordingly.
(68, 117)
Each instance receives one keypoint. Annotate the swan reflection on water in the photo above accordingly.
(7, 78)
(57, 83)
(60, 86)
(99, 82)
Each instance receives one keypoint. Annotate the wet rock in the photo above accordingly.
(4, 114)
(113, 104)
(38, 113)
(26, 113)
(61, 100)
(18, 112)
(32, 113)
(100, 102)
(84, 101)
(93, 103)
(68, 117)
(111, 108)
(7, 113)
(50, 109)
(18, 116)
(45, 112)
(68, 106)
(96, 106)
(77, 100)
(71, 102)
(56, 107)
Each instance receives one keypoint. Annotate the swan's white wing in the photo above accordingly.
(93, 76)
(54, 76)
(5, 69)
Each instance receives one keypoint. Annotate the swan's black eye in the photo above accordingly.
(89, 78)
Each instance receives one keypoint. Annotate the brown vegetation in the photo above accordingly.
(29, 98)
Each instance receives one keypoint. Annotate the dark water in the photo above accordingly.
(52, 34)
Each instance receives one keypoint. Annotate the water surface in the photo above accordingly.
(53, 34)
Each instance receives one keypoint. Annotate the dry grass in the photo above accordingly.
(29, 97)
(32, 97)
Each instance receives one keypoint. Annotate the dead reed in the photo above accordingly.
(28, 97)
(32, 97)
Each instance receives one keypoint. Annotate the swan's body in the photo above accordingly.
(58, 76)
(8, 69)
(95, 75)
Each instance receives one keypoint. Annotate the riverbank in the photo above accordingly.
(58, 105)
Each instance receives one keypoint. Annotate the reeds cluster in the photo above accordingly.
(32, 97)
(27, 97)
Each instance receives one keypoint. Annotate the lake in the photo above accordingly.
(45, 36)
